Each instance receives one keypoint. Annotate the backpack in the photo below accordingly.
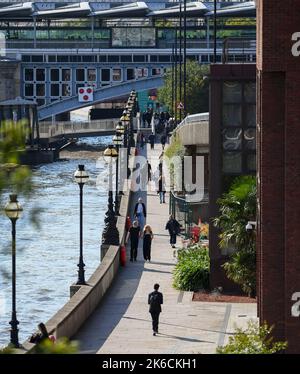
(154, 299)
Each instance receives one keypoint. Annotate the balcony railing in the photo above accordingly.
(239, 50)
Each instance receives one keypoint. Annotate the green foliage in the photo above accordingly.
(61, 346)
(13, 176)
(191, 272)
(197, 88)
(237, 207)
(175, 149)
(254, 340)
(6, 350)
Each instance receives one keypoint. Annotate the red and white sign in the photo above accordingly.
(85, 94)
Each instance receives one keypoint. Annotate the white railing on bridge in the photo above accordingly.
(71, 128)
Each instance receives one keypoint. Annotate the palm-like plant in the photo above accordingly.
(237, 207)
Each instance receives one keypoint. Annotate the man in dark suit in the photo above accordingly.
(155, 299)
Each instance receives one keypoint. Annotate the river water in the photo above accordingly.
(47, 256)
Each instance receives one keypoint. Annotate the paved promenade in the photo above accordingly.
(122, 323)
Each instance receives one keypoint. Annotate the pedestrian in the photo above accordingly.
(151, 138)
(142, 141)
(163, 141)
(147, 240)
(155, 300)
(140, 212)
(161, 189)
(173, 226)
(42, 335)
(134, 235)
(149, 171)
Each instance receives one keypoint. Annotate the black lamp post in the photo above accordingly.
(215, 31)
(13, 211)
(117, 140)
(125, 122)
(81, 177)
(110, 234)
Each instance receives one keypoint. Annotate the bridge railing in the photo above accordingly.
(71, 128)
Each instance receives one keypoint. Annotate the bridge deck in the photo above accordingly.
(122, 323)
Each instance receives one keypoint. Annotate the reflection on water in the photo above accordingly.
(47, 257)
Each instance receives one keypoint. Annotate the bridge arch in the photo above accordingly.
(101, 94)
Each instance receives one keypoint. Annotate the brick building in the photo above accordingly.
(278, 121)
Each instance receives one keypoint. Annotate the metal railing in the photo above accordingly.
(181, 208)
(71, 128)
(239, 50)
(56, 44)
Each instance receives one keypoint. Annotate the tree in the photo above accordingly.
(237, 207)
(197, 88)
(254, 340)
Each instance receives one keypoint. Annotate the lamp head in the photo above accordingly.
(13, 209)
(80, 175)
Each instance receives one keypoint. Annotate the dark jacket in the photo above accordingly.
(155, 307)
(136, 206)
(173, 226)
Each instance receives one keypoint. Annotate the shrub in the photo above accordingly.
(61, 346)
(253, 340)
(191, 272)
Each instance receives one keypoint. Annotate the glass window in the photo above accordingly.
(156, 71)
(37, 58)
(116, 75)
(139, 58)
(130, 74)
(28, 89)
(103, 58)
(52, 58)
(141, 72)
(105, 75)
(232, 115)
(25, 58)
(40, 90)
(232, 162)
(232, 139)
(126, 58)
(76, 58)
(112, 58)
(40, 75)
(91, 73)
(163, 58)
(250, 113)
(250, 139)
(54, 89)
(232, 92)
(80, 75)
(28, 73)
(65, 75)
(133, 37)
(250, 92)
(153, 58)
(65, 90)
(54, 75)
(251, 162)
(62, 58)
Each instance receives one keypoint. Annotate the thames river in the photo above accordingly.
(47, 256)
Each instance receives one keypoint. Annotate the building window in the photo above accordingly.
(232, 139)
(232, 115)
(62, 58)
(54, 75)
(80, 75)
(37, 58)
(126, 58)
(113, 58)
(232, 162)
(40, 75)
(130, 74)
(40, 102)
(28, 89)
(139, 58)
(40, 90)
(232, 92)
(28, 73)
(156, 71)
(65, 75)
(91, 73)
(52, 58)
(163, 58)
(65, 90)
(105, 75)
(54, 89)
(116, 75)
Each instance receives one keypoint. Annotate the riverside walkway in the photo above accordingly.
(122, 323)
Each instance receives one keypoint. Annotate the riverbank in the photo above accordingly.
(47, 255)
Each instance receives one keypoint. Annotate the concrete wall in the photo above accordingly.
(195, 134)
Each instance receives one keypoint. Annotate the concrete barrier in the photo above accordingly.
(68, 320)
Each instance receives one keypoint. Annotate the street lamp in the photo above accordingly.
(81, 177)
(13, 211)
(110, 234)
(117, 140)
